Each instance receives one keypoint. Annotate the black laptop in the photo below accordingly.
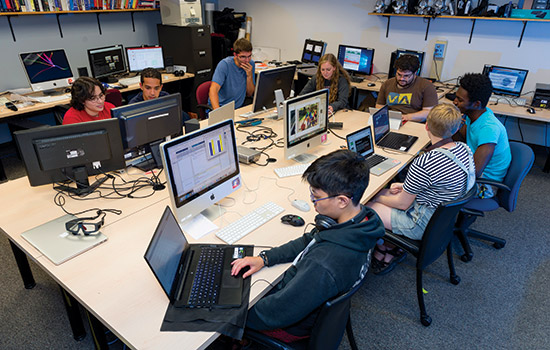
(194, 275)
(386, 139)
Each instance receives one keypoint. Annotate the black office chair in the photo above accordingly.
(328, 329)
(437, 237)
(506, 197)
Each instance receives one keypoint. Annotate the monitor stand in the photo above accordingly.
(305, 158)
(54, 92)
(83, 187)
(213, 212)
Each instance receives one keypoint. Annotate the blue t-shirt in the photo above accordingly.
(488, 129)
(232, 80)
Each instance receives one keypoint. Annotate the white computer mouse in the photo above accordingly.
(300, 205)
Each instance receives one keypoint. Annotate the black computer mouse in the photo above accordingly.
(531, 110)
(293, 220)
(371, 84)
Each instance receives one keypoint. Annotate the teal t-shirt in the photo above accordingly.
(488, 129)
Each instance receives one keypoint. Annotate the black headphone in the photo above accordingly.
(179, 73)
(323, 222)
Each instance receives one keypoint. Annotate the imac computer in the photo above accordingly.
(139, 58)
(398, 53)
(506, 81)
(268, 81)
(306, 124)
(144, 125)
(47, 70)
(71, 153)
(202, 168)
(356, 59)
(106, 62)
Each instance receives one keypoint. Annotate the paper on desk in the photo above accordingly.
(198, 227)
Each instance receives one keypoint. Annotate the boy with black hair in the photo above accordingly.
(326, 261)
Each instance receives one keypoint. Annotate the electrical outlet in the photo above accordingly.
(439, 49)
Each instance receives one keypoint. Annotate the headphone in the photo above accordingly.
(179, 73)
(323, 222)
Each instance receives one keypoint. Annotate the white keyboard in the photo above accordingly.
(293, 170)
(513, 101)
(248, 223)
(56, 98)
(267, 114)
(129, 81)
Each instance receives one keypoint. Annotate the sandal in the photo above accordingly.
(382, 267)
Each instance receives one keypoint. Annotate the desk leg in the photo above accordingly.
(547, 164)
(3, 176)
(23, 265)
(75, 319)
(98, 332)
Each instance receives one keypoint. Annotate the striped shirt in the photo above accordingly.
(434, 178)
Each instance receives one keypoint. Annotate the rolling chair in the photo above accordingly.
(328, 329)
(113, 96)
(437, 237)
(202, 99)
(506, 197)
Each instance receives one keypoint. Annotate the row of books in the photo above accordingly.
(73, 5)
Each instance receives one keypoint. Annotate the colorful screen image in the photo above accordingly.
(307, 119)
(44, 66)
(356, 59)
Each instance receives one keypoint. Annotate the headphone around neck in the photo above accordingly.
(323, 222)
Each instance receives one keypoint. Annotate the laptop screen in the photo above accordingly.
(381, 123)
(360, 142)
(165, 250)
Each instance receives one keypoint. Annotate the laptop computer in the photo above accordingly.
(58, 245)
(386, 139)
(396, 118)
(227, 111)
(360, 142)
(194, 275)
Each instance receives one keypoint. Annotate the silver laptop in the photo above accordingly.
(58, 245)
(396, 119)
(227, 111)
(360, 142)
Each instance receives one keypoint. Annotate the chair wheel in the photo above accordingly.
(467, 257)
(498, 245)
(455, 280)
(426, 320)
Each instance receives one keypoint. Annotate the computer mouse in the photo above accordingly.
(531, 110)
(300, 205)
(371, 84)
(293, 220)
(11, 106)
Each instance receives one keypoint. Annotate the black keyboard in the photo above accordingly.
(374, 160)
(394, 140)
(355, 79)
(207, 282)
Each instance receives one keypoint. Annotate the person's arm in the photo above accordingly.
(382, 94)
(482, 156)
(343, 96)
(310, 87)
(419, 116)
(396, 197)
(213, 95)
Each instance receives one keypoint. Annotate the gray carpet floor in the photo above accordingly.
(501, 303)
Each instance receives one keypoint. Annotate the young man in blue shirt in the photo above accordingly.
(234, 77)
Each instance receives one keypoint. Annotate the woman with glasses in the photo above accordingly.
(87, 102)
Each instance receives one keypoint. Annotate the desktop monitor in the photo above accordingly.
(313, 51)
(71, 153)
(146, 124)
(306, 123)
(398, 53)
(356, 59)
(139, 58)
(270, 80)
(47, 70)
(506, 81)
(201, 169)
(105, 62)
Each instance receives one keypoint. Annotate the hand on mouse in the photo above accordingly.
(255, 263)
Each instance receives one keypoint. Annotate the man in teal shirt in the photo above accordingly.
(483, 132)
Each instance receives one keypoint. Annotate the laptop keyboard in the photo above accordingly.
(374, 160)
(513, 101)
(207, 282)
(393, 140)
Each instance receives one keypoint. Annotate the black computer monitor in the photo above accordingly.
(106, 62)
(139, 58)
(398, 53)
(506, 81)
(270, 80)
(313, 51)
(47, 70)
(144, 125)
(71, 153)
(356, 59)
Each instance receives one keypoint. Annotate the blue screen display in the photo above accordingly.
(356, 59)
(506, 81)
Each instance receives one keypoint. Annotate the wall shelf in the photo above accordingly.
(9, 15)
(473, 19)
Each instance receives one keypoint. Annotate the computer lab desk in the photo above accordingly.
(119, 289)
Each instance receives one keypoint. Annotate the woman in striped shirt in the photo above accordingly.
(434, 177)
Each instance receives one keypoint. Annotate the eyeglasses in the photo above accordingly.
(242, 57)
(313, 200)
(99, 97)
(85, 225)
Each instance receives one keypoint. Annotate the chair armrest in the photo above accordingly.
(410, 245)
(494, 183)
(472, 212)
(205, 106)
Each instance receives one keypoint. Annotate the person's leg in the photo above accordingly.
(383, 211)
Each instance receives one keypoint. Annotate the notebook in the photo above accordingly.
(227, 111)
(396, 118)
(360, 142)
(386, 139)
(189, 279)
(58, 245)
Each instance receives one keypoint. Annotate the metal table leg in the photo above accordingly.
(23, 265)
(73, 312)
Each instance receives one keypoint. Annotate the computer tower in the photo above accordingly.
(181, 12)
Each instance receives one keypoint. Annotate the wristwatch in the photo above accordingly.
(264, 258)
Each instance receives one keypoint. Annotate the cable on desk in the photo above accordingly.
(253, 190)
(338, 136)
(263, 280)
(59, 200)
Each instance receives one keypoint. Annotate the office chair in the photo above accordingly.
(113, 96)
(328, 329)
(437, 237)
(506, 197)
(202, 99)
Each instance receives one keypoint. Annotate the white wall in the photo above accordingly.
(286, 23)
